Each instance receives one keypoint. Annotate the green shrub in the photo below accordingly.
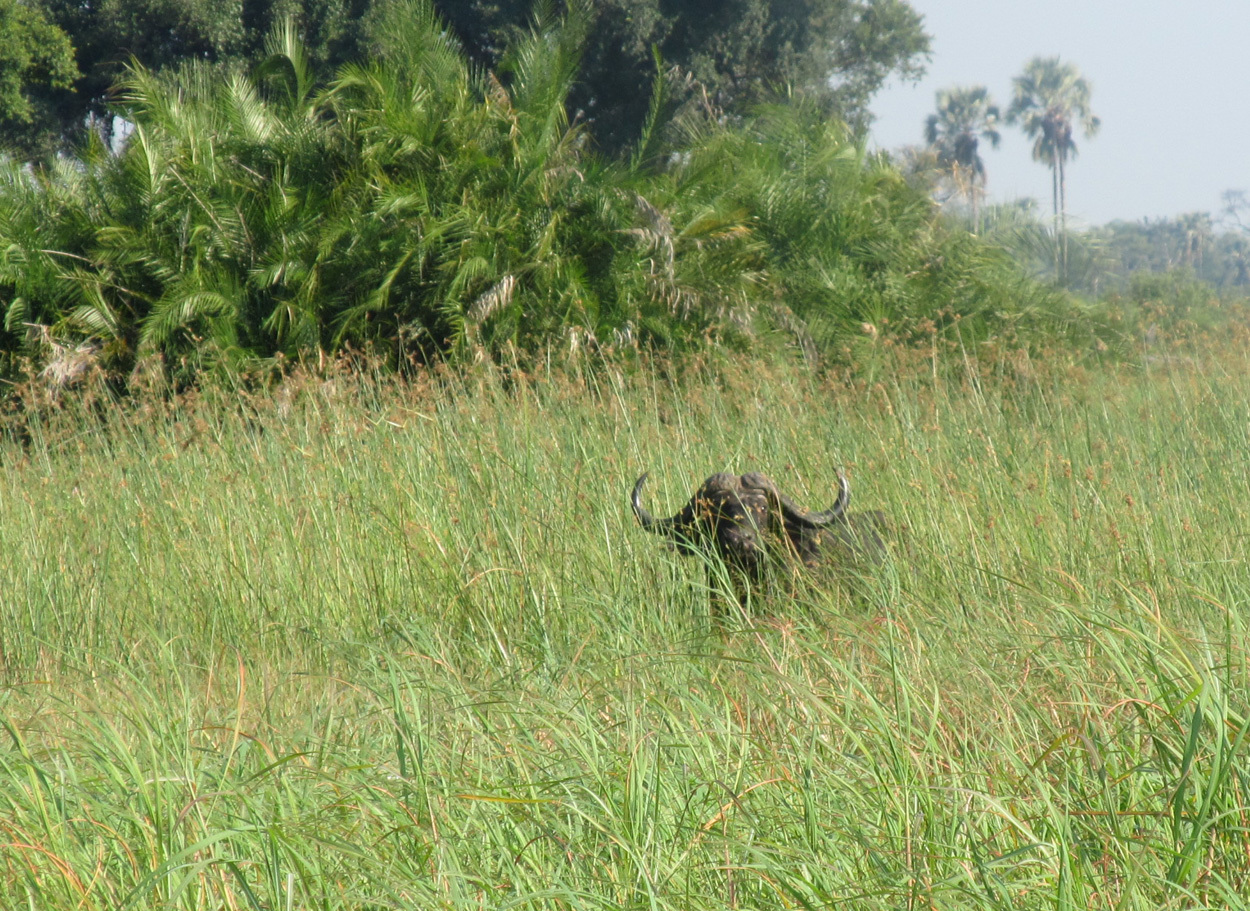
(421, 208)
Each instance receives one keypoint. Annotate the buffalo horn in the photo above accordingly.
(795, 513)
(645, 519)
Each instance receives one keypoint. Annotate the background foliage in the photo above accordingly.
(739, 53)
(36, 67)
(421, 206)
(747, 52)
(272, 181)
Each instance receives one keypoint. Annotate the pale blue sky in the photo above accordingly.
(1171, 82)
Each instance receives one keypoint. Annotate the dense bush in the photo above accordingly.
(422, 208)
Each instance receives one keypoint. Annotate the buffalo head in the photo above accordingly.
(747, 521)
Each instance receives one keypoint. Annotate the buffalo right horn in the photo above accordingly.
(795, 513)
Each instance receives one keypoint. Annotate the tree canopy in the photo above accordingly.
(1050, 99)
(732, 54)
(36, 61)
(740, 52)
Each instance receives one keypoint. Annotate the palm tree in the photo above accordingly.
(964, 117)
(1195, 230)
(1050, 100)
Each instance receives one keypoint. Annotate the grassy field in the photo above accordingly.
(361, 646)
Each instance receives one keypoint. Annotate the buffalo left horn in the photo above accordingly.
(645, 519)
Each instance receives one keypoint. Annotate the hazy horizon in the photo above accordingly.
(1168, 83)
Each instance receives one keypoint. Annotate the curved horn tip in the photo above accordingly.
(844, 491)
(645, 519)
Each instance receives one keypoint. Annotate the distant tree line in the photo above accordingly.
(1197, 242)
(1189, 261)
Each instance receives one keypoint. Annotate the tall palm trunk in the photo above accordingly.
(1063, 223)
(1054, 194)
(974, 199)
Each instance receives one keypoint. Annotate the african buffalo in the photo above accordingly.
(749, 524)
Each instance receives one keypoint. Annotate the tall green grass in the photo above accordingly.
(370, 645)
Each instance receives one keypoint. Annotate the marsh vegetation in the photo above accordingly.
(365, 643)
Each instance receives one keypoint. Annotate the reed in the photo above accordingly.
(371, 644)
